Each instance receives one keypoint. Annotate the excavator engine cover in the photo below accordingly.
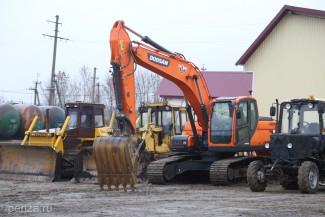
(117, 161)
(34, 163)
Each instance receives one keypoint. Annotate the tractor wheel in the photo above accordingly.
(308, 177)
(256, 176)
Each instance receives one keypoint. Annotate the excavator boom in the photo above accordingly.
(174, 67)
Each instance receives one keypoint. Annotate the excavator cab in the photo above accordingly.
(234, 132)
(233, 122)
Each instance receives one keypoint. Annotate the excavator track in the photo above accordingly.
(157, 170)
(221, 173)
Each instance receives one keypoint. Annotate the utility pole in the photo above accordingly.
(93, 88)
(97, 92)
(36, 96)
(52, 87)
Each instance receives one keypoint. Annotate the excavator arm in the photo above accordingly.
(126, 55)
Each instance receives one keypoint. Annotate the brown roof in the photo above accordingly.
(286, 9)
(219, 84)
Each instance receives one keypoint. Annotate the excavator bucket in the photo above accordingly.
(117, 161)
(34, 163)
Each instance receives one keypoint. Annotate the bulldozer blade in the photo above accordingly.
(34, 163)
(117, 161)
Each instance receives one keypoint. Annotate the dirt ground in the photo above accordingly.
(18, 198)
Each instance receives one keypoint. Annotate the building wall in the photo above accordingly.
(290, 63)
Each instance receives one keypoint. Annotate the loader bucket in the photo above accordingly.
(117, 161)
(34, 163)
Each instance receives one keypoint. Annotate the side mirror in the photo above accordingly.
(238, 114)
(272, 111)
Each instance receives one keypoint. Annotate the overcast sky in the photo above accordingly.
(211, 32)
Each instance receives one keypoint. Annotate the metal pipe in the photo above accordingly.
(64, 127)
(117, 86)
(147, 40)
(47, 120)
(31, 127)
(203, 106)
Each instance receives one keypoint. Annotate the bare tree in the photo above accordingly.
(45, 93)
(63, 82)
(73, 88)
(146, 86)
(85, 81)
(109, 94)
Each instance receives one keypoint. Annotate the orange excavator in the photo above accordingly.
(225, 126)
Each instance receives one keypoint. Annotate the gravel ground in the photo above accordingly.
(18, 198)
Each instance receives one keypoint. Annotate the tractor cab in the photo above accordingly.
(304, 117)
(299, 131)
(159, 122)
(85, 120)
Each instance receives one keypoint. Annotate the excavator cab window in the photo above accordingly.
(221, 123)
(247, 122)
(155, 118)
(87, 117)
(73, 113)
(166, 120)
(242, 122)
(143, 118)
(180, 120)
(99, 117)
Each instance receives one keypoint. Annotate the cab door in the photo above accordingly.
(246, 121)
(87, 123)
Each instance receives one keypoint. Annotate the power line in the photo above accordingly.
(10, 91)
(203, 27)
